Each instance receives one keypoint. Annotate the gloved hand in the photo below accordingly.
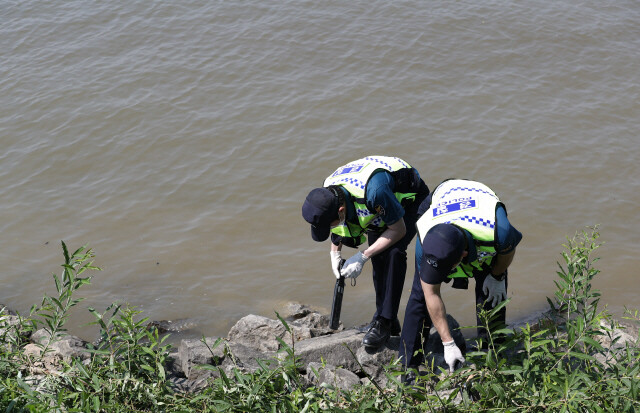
(452, 354)
(336, 257)
(495, 290)
(353, 266)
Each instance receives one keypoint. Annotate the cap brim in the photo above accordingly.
(319, 233)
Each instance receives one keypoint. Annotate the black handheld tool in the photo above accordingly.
(336, 307)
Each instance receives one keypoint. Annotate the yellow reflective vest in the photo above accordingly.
(469, 205)
(354, 177)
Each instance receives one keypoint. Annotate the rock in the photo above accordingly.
(374, 361)
(63, 349)
(317, 323)
(66, 346)
(318, 374)
(173, 326)
(173, 364)
(4, 310)
(616, 339)
(9, 329)
(331, 349)
(303, 316)
(245, 358)
(295, 311)
(184, 385)
(261, 333)
(192, 353)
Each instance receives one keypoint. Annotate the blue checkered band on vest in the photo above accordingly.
(475, 220)
(387, 166)
(353, 181)
(462, 188)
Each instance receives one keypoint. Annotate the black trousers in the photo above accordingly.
(417, 323)
(390, 266)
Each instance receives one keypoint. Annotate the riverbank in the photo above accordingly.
(573, 358)
(325, 356)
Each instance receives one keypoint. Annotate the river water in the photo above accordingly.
(179, 140)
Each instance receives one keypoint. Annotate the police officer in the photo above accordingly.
(377, 196)
(463, 232)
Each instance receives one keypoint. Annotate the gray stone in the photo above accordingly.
(4, 310)
(194, 352)
(246, 358)
(9, 329)
(613, 337)
(318, 324)
(173, 326)
(331, 349)
(173, 364)
(66, 346)
(295, 311)
(319, 374)
(261, 333)
(374, 361)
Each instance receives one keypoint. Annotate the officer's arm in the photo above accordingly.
(436, 309)
(390, 236)
(501, 262)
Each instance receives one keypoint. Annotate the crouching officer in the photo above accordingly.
(378, 196)
(463, 232)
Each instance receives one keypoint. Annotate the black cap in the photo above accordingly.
(442, 248)
(320, 209)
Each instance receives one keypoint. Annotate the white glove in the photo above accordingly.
(353, 266)
(495, 290)
(336, 257)
(452, 354)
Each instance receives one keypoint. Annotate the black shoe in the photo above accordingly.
(378, 334)
(365, 328)
(395, 327)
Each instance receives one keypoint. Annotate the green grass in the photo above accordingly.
(553, 366)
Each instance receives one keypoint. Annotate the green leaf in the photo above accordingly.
(76, 252)
(499, 391)
(160, 370)
(65, 252)
(505, 331)
(58, 303)
(582, 356)
(57, 282)
(148, 351)
(284, 323)
(539, 343)
(592, 343)
(498, 307)
(512, 371)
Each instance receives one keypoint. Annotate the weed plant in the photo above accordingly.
(557, 365)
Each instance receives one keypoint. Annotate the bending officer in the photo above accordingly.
(378, 196)
(463, 232)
